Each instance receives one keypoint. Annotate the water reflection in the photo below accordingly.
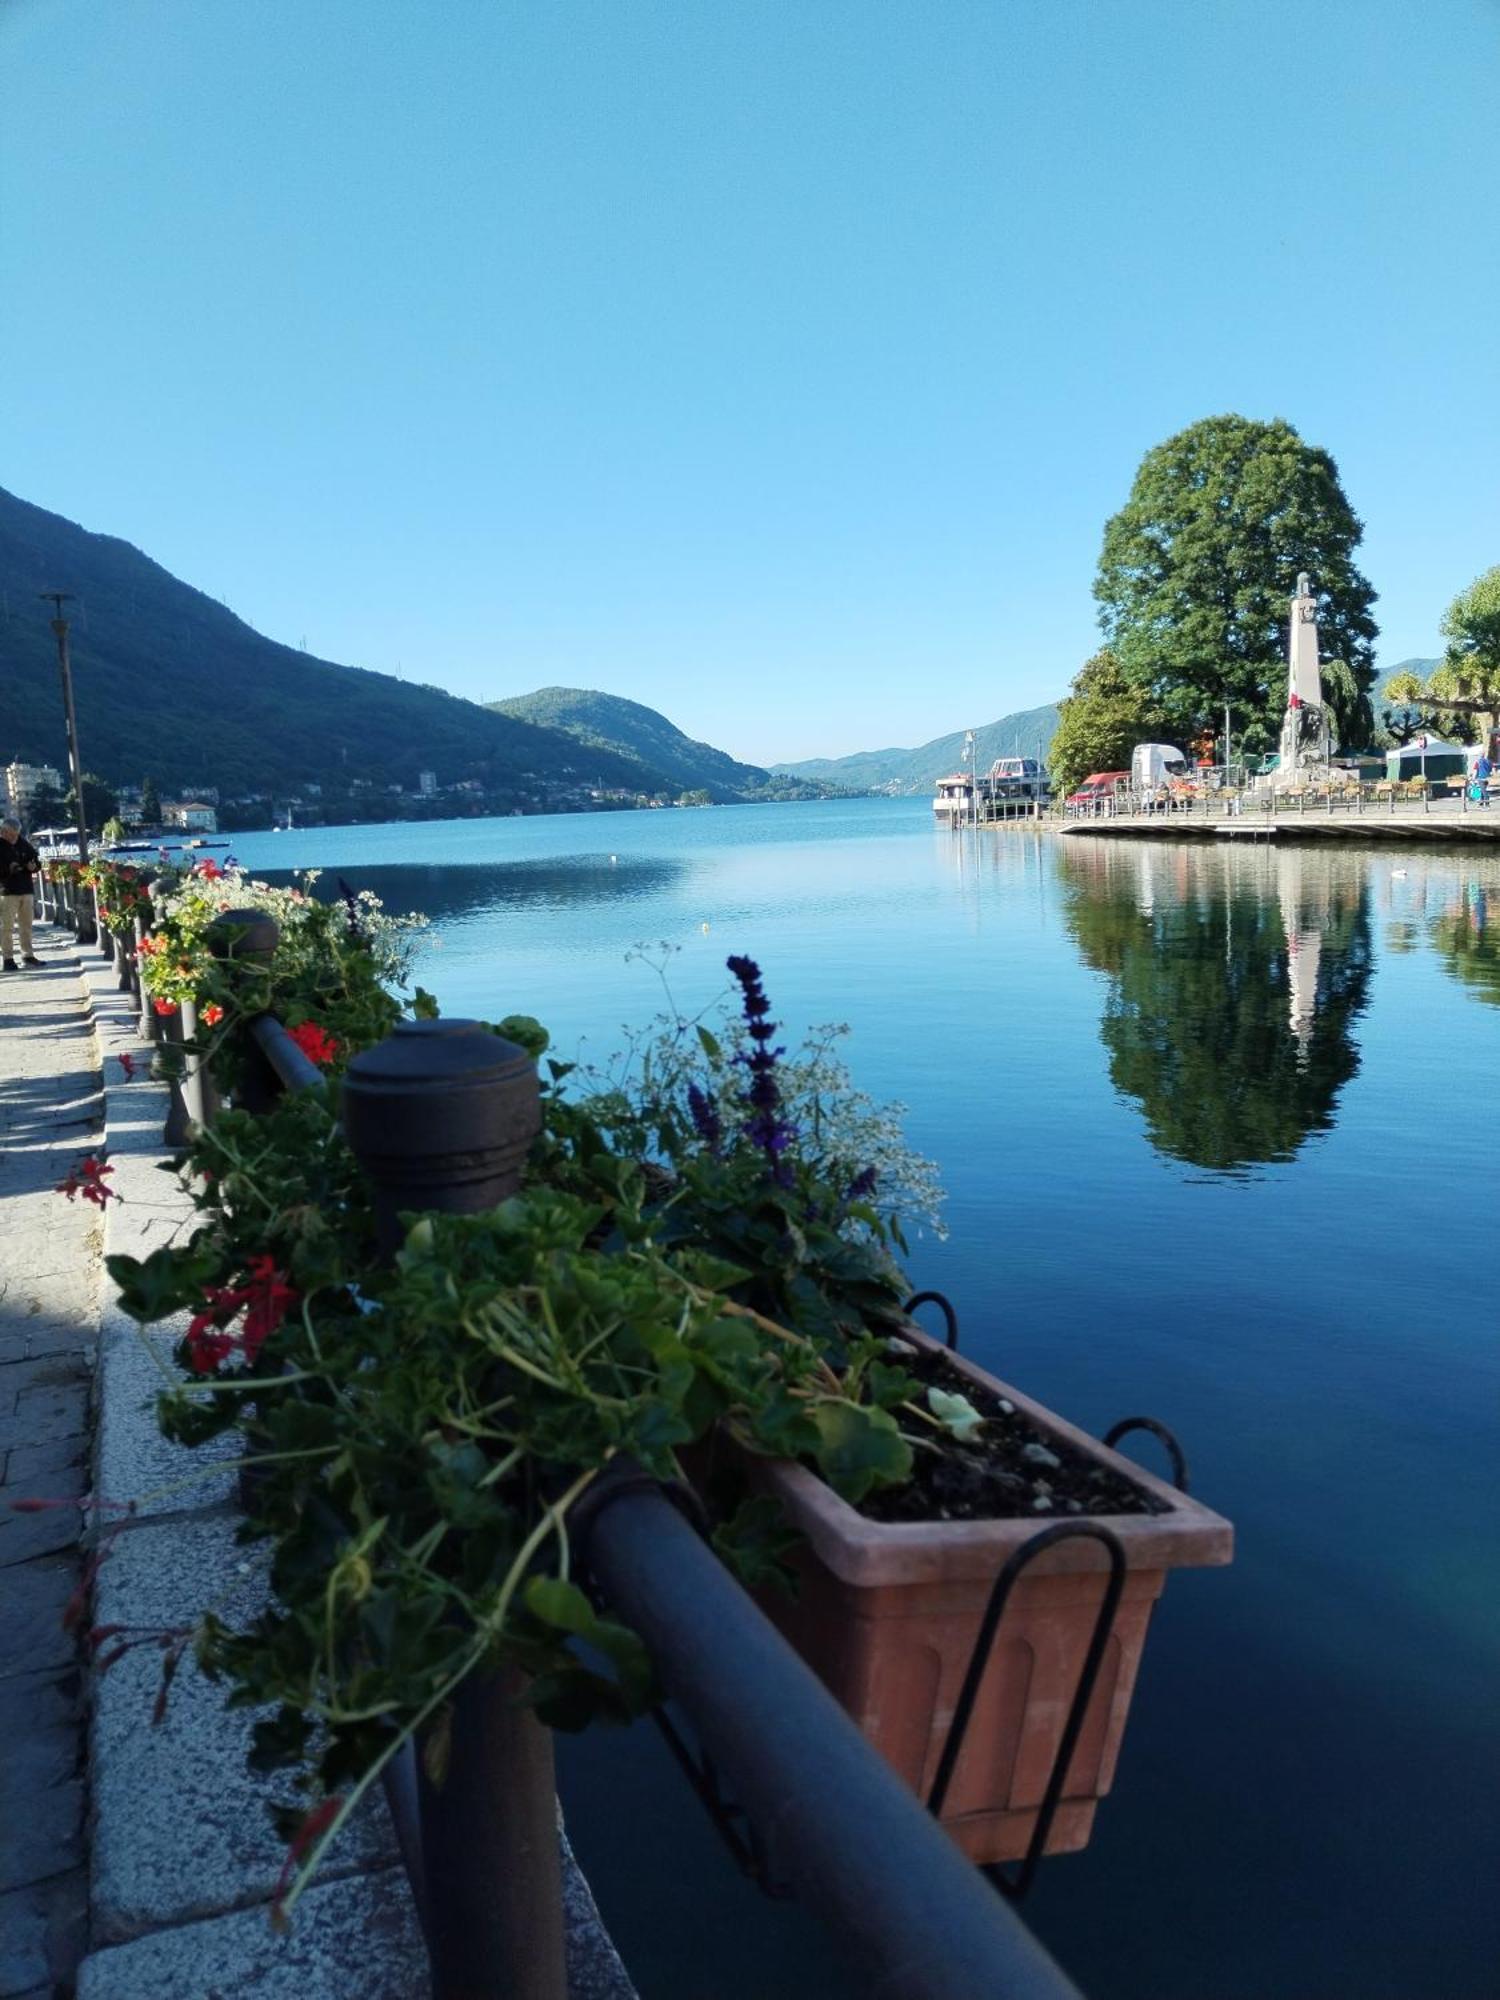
(1467, 940)
(448, 895)
(1235, 982)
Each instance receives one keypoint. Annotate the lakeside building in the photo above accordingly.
(193, 815)
(23, 782)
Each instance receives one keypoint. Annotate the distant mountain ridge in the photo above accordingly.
(1026, 733)
(665, 758)
(171, 684)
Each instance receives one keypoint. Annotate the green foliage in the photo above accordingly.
(1199, 566)
(1461, 699)
(422, 1429)
(99, 802)
(1099, 724)
(150, 803)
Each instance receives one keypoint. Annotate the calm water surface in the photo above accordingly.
(1220, 1138)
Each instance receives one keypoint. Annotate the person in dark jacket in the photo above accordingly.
(19, 862)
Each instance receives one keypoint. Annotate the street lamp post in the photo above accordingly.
(57, 599)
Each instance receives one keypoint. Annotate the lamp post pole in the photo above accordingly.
(57, 599)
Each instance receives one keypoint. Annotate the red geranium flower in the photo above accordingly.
(209, 870)
(265, 1302)
(88, 1180)
(212, 1014)
(127, 1063)
(315, 1043)
(165, 1006)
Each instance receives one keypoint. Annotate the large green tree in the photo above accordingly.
(1199, 566)
(1098, 724)
(1463, 697)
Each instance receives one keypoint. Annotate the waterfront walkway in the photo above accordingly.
(1442, 820)
(50, 1112)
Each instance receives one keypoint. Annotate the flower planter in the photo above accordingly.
(887, 1615)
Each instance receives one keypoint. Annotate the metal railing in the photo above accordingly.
(441, 1116)
(1383, 796)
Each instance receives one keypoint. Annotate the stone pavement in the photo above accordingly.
(50, 1112)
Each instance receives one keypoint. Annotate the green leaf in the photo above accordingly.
(956, 1414)
(560, 1604)
(710, 1044)
(859, 1449)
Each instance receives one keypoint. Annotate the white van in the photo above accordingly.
(1153, 765)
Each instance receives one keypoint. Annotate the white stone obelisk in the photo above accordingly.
(1305, 741)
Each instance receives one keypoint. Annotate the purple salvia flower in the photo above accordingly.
(764, 1127)
(705, 1116)
(862, 1186)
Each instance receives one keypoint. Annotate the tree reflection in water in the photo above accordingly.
(1235, 982)
(1466, 938)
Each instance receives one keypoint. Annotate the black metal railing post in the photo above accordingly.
(441, 1116)
(249, 937)
(85, 916)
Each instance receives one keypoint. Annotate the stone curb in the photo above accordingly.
(184, 1861)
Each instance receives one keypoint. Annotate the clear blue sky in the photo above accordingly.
(773, 364)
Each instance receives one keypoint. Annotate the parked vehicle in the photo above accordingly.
(1097, 787)
(1153, 765)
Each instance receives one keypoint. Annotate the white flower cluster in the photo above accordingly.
(200, 897)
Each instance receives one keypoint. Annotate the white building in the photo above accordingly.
(192, 815)
(427, 784)
(24, 781)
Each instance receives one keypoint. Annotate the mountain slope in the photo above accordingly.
(666, 759)
(1026, 733)
(171, 684)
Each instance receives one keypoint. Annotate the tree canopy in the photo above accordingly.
(1462, 698)
(1199, 566)
(1098, 724)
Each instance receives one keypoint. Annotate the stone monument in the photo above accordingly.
(1306, 742)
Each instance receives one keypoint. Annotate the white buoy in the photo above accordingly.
(704, 929)
(613, 859)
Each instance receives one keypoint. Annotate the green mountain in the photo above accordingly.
(663, 757)
(1025, 734)
(172, 685)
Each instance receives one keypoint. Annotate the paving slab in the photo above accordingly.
(350, 1940)
(181, 1828)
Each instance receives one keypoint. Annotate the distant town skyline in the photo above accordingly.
(776, 367)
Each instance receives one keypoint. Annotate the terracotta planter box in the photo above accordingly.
(888, 1612)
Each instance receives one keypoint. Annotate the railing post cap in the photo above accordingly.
(417, 1055)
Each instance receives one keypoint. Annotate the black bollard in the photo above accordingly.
(441, 1117)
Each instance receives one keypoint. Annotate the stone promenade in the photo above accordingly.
(50, 1111)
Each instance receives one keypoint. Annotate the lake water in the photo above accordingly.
(1220, 1136)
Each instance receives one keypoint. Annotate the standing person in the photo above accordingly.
(19, 862)
(1484, 770)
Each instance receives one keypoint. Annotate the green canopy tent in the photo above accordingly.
(1425, 757)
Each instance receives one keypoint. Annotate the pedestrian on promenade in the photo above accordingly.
(1484, 770)
(19, 862)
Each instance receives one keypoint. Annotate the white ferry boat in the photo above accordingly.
(1008, 780)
